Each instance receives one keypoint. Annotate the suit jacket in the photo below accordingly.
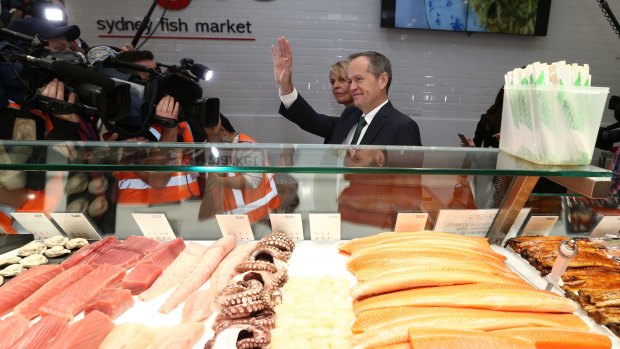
(388, 127)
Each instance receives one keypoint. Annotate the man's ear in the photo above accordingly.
(380, 158)
(383, 80)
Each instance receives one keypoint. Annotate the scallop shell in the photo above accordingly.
(76, 243)
(98, 185)
(98, 207)
(32, 248)
(12, 270)
(56, 240)
(56, 251)
(77, 205)
(9, 260)
(33, 260)
(76, 184)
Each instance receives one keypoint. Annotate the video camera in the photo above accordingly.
(104, 91)
(609, 135)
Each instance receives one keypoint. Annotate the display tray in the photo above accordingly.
(317, 259)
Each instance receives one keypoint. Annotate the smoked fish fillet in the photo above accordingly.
(445, 338)
(461, 318)
(485, 252)
(482, 296)
(352, 246)
(557, 338)
(424, 278)
(405, 264)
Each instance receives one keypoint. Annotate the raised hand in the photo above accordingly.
(56, 89)
(283, 65)
(168, 108)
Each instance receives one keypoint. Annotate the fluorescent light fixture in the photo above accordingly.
(53, 14)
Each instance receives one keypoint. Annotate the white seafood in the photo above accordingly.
(56, 251)
(10, 260)
(12, 270)
(56, 240)
(76, 184)
(33, 260)
(32, 248)
(76, 243)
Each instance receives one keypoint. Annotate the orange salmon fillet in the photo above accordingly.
(557, 338)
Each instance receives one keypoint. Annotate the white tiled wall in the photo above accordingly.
(443, 80)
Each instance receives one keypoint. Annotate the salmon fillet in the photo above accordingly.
(424, 278)
(445, 338)
(558, 338)
(461, 318)
(482, 296)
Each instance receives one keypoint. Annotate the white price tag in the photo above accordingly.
(235, 224)
(154, 226)
(406, 222)
(609, 225)
(289, 223)
(465, 222)
(539, 225)
(37, 224)
(76, 225)
(325, 226)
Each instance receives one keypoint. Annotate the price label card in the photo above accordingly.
(410, 222)
(325, 226)
(76, 225)
(539, 225)
(289, 223)
(608, 225)
(154, 226)
(235, 224)
(465, 222)
(37, 224)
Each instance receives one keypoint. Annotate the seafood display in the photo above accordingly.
(437, 290)
(591, 279)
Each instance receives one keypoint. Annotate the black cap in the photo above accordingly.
(46, 30)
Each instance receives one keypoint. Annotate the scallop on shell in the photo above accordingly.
(33, 260)
(76, 243)
(32, 248)
(12, 270)
(98, 185)
(98, 207)
(56, 251)
(9, 260)
(76, 184)
(77, 205)
(56, 240)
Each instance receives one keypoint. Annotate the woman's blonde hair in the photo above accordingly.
(339, 68)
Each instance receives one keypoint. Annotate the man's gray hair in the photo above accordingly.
(378, 64)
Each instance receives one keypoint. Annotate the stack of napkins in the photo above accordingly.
(558, 73)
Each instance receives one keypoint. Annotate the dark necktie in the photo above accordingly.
(358, 130)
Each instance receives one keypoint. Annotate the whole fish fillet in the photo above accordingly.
(86, 333)
(197, 307)
(42, 333)
(557, 338)
(175, 272)
(461, 318)
(482, 296)
(424, 278)
(382, 238)
(25, 284)
(200, 273)
(128, 336)
(12, 328)
(226, 270)
(182, 336)
(446, 338)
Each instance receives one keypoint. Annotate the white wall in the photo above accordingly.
(443, 80)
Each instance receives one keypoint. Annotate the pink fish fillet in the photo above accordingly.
(42, 333)
(86, 333)
(112, 301)
(30, 306)
(175, 272)
(12, 328)
(91, 251)
(183, 336)
(226, 270)
(197, 307)
(127, 254)
(202, 270)
(72, 301)
(25, 284)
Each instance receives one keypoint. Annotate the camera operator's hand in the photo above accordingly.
(168, 108)
(283, 65)
(56, 89)
(128, 47)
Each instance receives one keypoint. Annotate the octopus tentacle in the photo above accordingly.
(265, 318)
(241, 336)
(240, 293)
(245, 309)
(256, 266)
(279, 240)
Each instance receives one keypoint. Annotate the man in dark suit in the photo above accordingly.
(373, 120)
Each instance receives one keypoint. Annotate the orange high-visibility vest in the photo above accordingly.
(256, 203)
(133, 190)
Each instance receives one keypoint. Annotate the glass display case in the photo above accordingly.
(193, 183)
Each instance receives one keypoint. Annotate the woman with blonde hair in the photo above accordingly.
(340, 83)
